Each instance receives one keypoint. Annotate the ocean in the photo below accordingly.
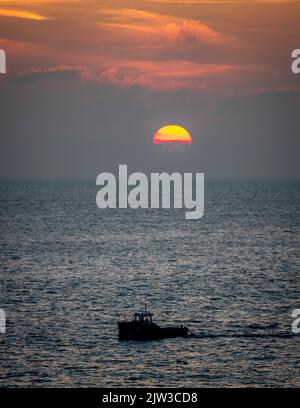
(70, 270)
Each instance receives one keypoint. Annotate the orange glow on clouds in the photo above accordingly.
(21, 14)
(172, 134)
(193, 45)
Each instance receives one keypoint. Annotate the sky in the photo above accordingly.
(89, 83)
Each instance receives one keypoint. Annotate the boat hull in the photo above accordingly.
(146, 331)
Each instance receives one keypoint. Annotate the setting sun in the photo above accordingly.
(172, 134)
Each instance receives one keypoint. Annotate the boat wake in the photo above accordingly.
(240, 335)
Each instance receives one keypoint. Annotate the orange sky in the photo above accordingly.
(231, 45)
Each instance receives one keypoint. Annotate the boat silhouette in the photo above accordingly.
(142, 327)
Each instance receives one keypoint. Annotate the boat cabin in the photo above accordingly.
(145, 317)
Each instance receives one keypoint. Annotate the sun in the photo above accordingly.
(172, 134)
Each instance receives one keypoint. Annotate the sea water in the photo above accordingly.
(69, 270)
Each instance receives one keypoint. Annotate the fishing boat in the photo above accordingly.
(142, 327)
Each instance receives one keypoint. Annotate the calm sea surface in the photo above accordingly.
(68, 270)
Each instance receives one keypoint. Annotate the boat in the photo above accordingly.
(142, 327)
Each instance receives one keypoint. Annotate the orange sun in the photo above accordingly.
(172, 134)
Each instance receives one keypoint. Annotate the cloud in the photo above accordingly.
(62, 72)
(157, 28)
(168, 75)
(21, 14)
(166, 46)
(187, 31)
(155, 46)
(153, 75)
